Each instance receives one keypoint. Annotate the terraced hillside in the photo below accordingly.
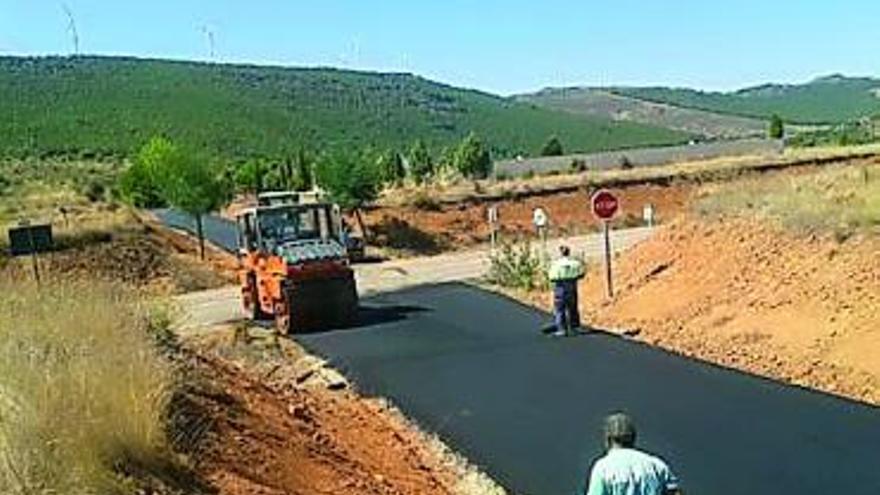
(603, 103)
(830, 99)
(103, 105)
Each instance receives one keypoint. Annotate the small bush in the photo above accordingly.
(95, 191)
(517, 266)
(578, 165)
(422, 200)
(83, 389)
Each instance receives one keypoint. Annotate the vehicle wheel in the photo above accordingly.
(348, 305)
(253, 297)
(282, 317)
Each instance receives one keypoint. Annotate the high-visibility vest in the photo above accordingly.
(566, 268)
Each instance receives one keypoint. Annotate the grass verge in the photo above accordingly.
(843, 200)
(83, 388)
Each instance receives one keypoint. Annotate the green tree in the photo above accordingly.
(421, 165)
(351, 180)
(776, 128)
(186, 181)
(303, 173)
(139, 184)
(472, 159)
(390, 168)
(248, 177)
(553, 147)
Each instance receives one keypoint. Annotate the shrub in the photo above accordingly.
(776, 128)
(95, 190)
(83, 389)
(422, 200)
(578, 165)
(518, 267)
(553, 147)
(421, 165)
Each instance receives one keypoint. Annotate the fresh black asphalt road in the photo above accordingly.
(218, 230)
(475, 368)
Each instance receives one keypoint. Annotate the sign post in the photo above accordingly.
(648, 214)
(605, 206)
(27, 239)
(493, 226)
(540, 220)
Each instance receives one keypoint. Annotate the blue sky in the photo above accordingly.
(503, 47)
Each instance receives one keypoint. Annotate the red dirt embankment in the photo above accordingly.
(274, 427)
(748, 295)
(436, 226)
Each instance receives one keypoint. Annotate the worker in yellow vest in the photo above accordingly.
(564, 274)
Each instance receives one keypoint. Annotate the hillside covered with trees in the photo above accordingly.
(98, 106)
(826, 100)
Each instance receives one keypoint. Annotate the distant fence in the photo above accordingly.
(640, 157)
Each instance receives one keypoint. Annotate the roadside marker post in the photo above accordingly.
(540, 220)
(648, 214)
(493, 226)
(605, 206)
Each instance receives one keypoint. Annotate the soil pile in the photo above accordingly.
(744, 294)
(137, 253)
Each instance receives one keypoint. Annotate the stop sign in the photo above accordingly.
(604, 204)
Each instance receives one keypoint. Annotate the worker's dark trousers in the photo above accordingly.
(565, 305)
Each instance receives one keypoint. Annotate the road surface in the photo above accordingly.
(203, 309)
(474, 368)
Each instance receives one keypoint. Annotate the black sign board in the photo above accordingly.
(30, 239)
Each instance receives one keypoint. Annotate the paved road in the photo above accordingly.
(473, 367)
(221, 305)
(218, 230)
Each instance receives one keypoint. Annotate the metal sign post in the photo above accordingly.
(493, 226)
(609, 281)
(30, 240)
(540, 220)
(605, 206)
(34, 261)
(648, 214)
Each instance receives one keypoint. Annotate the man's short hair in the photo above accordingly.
(620, 430)
(564, 250)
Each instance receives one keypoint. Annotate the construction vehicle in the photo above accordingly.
(293, 266)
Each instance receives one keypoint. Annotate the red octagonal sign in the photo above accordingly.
(604, 204)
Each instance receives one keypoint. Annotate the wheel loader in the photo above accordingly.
(293, 267)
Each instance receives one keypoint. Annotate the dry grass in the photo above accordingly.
(700, 170)
(83, 388)
(842, 199)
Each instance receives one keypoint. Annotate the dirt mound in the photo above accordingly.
(804, 309)
(272, 432)
(136, 253)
